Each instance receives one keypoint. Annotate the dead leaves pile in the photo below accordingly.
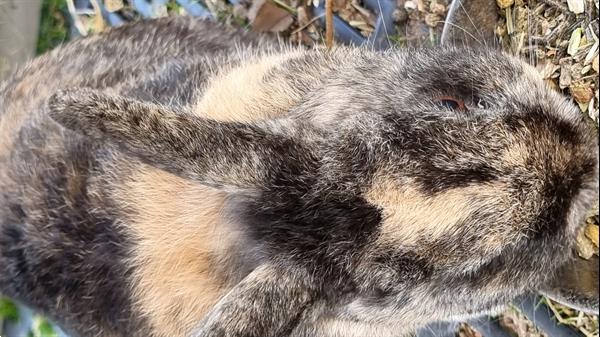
(586, 324)
(587, 241)
(561, 39)
(517, 325)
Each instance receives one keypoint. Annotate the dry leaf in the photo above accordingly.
(565, 78)
(437, 8)
(410, 5)
(547, 69)
(576, 6)
(521, 21)
(99, 24)
(581, 92)
(591, 232)
(240, 11)
(518, 325)
(465, 330)
(591, 53)
(575, 41)
(595, 64)
(586, 69)
(552, 84)
(585, 246)
(265, 16)
(505, 3)
(113, 5)
(432, 20)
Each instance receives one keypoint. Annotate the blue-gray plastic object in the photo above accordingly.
(342, 30)
(488, 326)
(196, 9)
(20, 327)
(438, 329)
(147, 9)
(113, 19)
(384, 26)
(542, 316)
(485, 325)
(143, 7)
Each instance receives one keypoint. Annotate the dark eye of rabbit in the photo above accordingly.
(451, 102)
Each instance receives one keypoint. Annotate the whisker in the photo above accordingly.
(383, 23)
(471, 20)
(464, 31)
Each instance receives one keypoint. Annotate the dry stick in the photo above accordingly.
(329, 23)
(557, 4)
(299, 29)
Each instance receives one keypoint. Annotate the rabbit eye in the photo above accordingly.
(452, 103)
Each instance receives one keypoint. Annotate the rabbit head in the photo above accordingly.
(473, 23)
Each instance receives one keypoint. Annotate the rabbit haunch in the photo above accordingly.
(203, 182)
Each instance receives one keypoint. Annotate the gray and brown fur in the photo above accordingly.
(206, 185)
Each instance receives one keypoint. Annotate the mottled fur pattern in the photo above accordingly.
(196, 185)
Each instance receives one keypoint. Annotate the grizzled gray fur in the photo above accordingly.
(177, 178)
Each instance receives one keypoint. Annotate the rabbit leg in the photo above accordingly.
(267, 303)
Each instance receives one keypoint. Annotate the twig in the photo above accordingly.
(558, 5)
(303, 27)
(555, 311)
(364, 13)
(329, 23)
(285, 6)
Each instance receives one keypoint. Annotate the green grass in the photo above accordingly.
(8, 310)
(9, 313)
(54, 27)
(41, 328)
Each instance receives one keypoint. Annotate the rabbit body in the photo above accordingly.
(205, 182)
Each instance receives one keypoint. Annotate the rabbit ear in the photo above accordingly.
(471, 23)
(576, 285)
(219, 154)
(265, 304)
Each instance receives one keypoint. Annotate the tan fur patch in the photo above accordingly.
(180, 235)
(409, 215)
(242, 94)
(182, 239)
(515, 156)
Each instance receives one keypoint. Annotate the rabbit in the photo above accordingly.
(174, 177)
